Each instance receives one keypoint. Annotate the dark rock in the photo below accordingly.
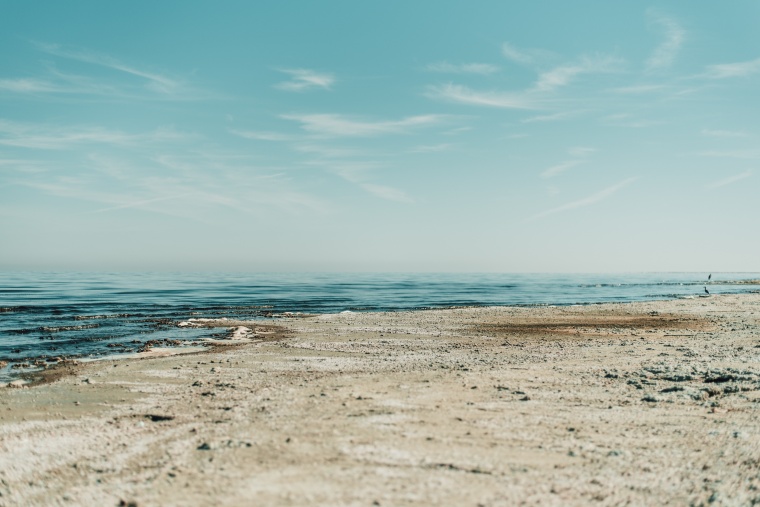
(158, 418)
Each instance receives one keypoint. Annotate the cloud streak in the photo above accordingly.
(737, 69)
(463, 68)
(723, 133)
(24, 85)
(52, 137)
(587, 201)
(141, 203)
(559, 168)
(664, 55)
(306, 79)
(157, 82)
(564, 74)
(385, 192)
(359, 173)
(262, 135)
(336, 125)
(638, 89)
(740, 154)
(729, 180)
(524, 56)
(463, 95)
(431, 148)
(549, 117)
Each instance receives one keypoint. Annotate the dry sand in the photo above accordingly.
(641, 404)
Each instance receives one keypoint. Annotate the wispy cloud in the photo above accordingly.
(359, 173)
(22, 165)
(262, 135)
(349, 170)
(336, 125)
(156, 81)
(431, 148)
(666, 52)
(463, 68)
(741, 154)
(53, 137)
(306, 79)
(387, 193)
(638, 89)
(457, 131)
(559, 168)
(565, 74)
(723, 133)
(141, 203)
(524, 56)
(587, 201)
(47, 137)
(57, 82)
(738, 69)
(729, 180)
(581, 151)
(327, 151)
(549, 117)
(464, 95)
(23, 85)
(628, 121)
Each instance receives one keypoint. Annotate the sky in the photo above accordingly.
(484, 136)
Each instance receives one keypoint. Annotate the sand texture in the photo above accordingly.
(616, 404)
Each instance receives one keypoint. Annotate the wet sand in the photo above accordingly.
(642, 403)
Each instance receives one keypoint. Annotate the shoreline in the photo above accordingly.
(643, 401)
(91, 328)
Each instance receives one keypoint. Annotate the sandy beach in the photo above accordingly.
(640, 403)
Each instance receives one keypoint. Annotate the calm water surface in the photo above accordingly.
(91, 315)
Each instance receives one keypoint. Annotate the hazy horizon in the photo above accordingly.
(550, 137)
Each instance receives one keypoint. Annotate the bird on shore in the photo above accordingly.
(707, 291)
(709, 276)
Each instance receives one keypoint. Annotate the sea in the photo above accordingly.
(88, 316)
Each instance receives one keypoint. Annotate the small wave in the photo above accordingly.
(60, 329)
(100, 317)
(20, 331)
(15, 309)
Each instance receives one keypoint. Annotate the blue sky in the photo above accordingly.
(380, 136)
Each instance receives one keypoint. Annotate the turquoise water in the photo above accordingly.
(81, 314)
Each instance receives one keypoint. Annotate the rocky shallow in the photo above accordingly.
(642, 403)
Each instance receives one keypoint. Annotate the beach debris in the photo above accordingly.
(240, 333)
(159, 417)
(199, 322)
(204, 447)
(17, 384)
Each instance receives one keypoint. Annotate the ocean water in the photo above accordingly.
(91, 315)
